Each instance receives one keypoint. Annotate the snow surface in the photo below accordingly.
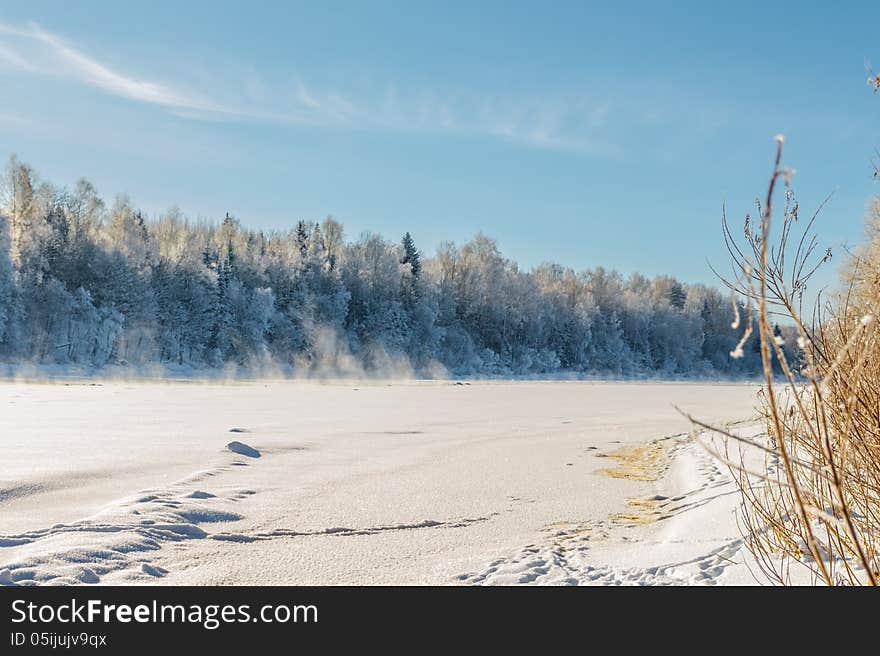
(366, 483)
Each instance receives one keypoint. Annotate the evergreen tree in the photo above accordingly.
(411, 256)
(302, 239)
(677, 295)
(411, 275)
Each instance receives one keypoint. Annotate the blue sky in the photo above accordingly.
(587, 134)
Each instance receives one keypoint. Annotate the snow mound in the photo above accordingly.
(199, 494)
(243, 449)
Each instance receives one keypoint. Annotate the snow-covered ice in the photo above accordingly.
(366, 483)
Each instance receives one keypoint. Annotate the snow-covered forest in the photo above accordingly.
(90, 284)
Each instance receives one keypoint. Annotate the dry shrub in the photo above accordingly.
(813, 498)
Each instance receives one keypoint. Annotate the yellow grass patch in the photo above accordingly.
(640, 462)
(642, 510)
(567, 536)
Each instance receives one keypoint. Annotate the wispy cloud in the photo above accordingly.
(12, 58)
(35, 50)
(552, 124)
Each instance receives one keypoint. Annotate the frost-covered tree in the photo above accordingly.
(84, 284)
(6, 283)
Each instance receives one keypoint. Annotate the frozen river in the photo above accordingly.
(363, 483)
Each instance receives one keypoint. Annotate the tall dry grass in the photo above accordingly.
(812, 500)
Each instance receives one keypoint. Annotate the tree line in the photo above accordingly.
(92, 284)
